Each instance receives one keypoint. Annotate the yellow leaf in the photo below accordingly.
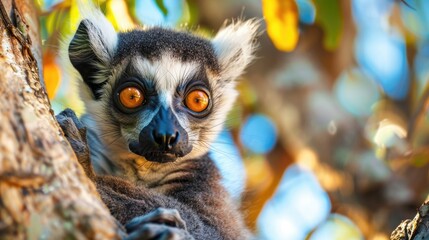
(51, 74)
(74, 17)
(118, 14)
(281, 17)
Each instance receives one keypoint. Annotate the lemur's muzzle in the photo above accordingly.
(163, 139)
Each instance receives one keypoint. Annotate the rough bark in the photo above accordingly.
(44, 193)
(417, 228)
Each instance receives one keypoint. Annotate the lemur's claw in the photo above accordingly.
(160, 224)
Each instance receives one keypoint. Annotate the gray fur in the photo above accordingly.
(166, 62)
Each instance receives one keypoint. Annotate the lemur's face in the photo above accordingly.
(158, 93)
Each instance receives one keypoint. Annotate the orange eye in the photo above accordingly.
(197, 101)
(131, 97)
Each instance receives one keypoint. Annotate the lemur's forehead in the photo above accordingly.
(154, 43)
(166, 72)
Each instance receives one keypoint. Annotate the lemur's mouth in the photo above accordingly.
(154, 156)
(161, 157)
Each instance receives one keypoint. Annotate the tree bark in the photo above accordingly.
(44, 192)
(416, 228)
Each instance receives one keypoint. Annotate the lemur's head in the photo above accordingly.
(159, 93)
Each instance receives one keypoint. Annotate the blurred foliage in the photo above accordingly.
(51, 74)
(281, 17)
(330, 19)
(332, 135)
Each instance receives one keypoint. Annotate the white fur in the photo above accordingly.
(102, 35)
(235, 45)
(168, 72)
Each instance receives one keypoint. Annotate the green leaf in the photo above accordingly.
(161, 6)
(330, 19)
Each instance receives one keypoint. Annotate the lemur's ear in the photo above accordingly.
(91, 50)
(234, 46)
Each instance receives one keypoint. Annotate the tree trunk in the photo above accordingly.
(44, 192)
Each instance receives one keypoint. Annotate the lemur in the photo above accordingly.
(155, 99)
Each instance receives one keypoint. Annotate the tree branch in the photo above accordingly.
(417, 228)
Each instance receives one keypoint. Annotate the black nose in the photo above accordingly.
(167, 139)
(163, 139)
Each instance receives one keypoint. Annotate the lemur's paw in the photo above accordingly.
(154, 231)
(71, 125)
(159, 224)
(75, 132)
(169, 217)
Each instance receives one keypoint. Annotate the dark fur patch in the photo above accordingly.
(152, 43)
(84, 59)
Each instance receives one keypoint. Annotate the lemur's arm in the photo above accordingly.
(200, 199)
(203, 210)
(139, 209)
(203, 191)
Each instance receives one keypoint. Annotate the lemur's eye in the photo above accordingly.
(131, 97)
(197, 100)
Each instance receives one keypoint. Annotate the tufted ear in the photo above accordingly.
(234, 46)
(92, 48)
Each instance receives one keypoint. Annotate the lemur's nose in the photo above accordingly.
(165, 138)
